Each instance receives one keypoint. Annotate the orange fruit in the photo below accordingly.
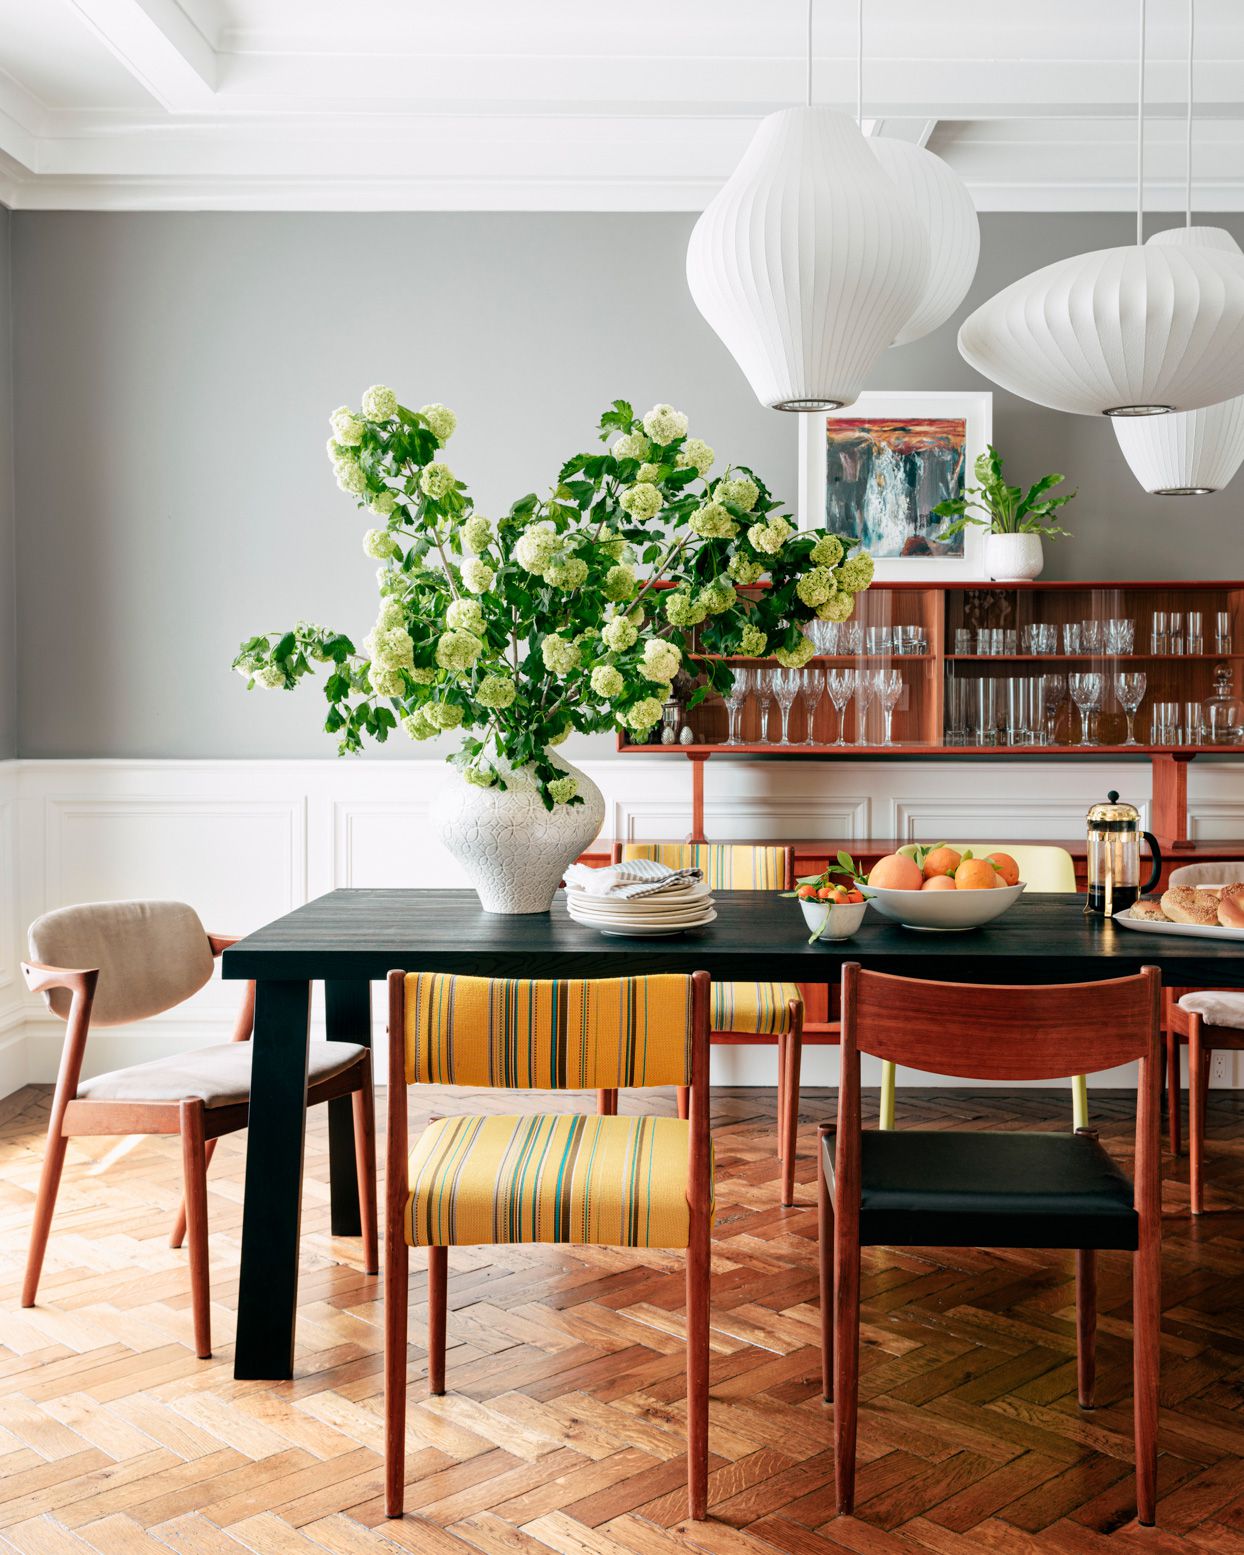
(941, 861)
(896, 872)
(938, 883)
(1008, 869)
(976, 874)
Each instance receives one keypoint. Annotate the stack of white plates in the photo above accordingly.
(684, 906)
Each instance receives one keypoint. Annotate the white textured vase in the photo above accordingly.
(514, 850)
(1013, 558)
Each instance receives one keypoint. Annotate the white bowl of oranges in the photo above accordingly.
(832, 909)
(941, 888)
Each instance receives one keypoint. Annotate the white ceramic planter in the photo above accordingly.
(514, 850)
(1013, 558)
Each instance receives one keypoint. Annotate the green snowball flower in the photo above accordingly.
(620, 583)
(827, 552)
(741, 492)
(661, 660)
(695, 454)
(480, 777)
(816, 586)
(619, 634)
(767, 538)
(441, 420)
(477, 533)
(458, 650)
(841, 607)
(379, 544)
(445, 715)
(477, 575)
(752, 642)
(856, 573)
(634, 445)
(347, 428)
(713, 522)
(437, 480)
(387, 682)
(642, 715)
(717, 596)
(607, 681)
(743, 570)
(680, 610)
(536, 547)
(568, 575)
(349, 477)
(496, 691)
(642, 501)
(795, 658)
(419, 726)
(465, 615)
(383, 502)
(560, 656)
(379, 403)
(563, 789)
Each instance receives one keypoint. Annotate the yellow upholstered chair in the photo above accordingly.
(546, 1177)
(745, 1014)
(1042, 867)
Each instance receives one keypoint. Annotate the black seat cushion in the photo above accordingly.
(992, 1190)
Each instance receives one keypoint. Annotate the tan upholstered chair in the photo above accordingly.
(114, 963)
(1206, 1019)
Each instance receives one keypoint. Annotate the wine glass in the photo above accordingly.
(865, 690)
(1054, 694)
(888, 687)
(734, 700)
(1130, 690)
(1086, 689)
(764, 697)
(840, 684)
(813, 681)
(786, 689)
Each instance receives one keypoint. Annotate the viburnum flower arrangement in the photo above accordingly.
(574, 611)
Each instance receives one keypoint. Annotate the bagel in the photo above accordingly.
(1231, 906)
(1190, 904)
(1146, 907)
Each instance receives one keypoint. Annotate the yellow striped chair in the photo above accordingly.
(744, 1014)
(545, 1177)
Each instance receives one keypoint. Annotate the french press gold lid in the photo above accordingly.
(1114, 815)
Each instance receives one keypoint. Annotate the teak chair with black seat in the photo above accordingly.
(914, 1188)
(545, 1177)
(114, 963)
(744, 1014)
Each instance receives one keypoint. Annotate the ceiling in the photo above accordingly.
(573, 105)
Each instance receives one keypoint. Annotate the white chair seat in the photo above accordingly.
(1216, 1007)
(218, 1076)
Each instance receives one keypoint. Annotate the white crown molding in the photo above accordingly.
(159, 45)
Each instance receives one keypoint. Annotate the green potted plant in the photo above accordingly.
(1017, 520)
(573, 611)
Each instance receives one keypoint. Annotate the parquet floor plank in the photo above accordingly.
(564, 1425)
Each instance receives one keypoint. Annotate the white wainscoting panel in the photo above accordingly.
(247, 841)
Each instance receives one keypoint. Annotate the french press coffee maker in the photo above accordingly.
(1114, 838)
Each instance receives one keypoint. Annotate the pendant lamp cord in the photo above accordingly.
(1188, 148)
(859, 67)
(808, 52)
(1140, 133)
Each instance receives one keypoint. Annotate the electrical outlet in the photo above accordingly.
(1220, 1069)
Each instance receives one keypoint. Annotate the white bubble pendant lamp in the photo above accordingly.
(948, 214)
(1198, 451)
(808, 262)
(1133, 331)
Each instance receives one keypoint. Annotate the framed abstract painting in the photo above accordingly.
(877, 469)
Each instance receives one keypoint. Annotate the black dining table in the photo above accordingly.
(352, 938)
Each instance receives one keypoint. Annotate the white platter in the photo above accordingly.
(634, 930)
(1197, 930)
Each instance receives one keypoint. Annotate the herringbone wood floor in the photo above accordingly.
(562, 1429)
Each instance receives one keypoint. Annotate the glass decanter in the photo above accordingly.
(1223, 712)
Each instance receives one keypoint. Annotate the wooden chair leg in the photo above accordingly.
(178, 1235)
(1198, 1071)
(607, 1103)
(886, 1120)
(698, 1299)
(396, 1305)
(1086, 1325)
(194, 1191)
(1146, 1342)
(825, 1260)
(684, 1102)
(793, 1056)
(364, 1104)
(438, 1294)
(1174, 1121)
(781, 1095)
(846, 1365)
(45, 1205)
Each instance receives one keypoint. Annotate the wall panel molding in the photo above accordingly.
(247, 840)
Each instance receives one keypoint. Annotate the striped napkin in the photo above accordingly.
(635, 878)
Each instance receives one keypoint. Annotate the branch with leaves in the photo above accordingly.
(574, 611)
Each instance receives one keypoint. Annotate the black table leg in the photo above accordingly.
(347, 1009)
(271, 1212)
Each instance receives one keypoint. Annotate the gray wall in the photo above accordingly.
(174, 375)
(8, 536)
